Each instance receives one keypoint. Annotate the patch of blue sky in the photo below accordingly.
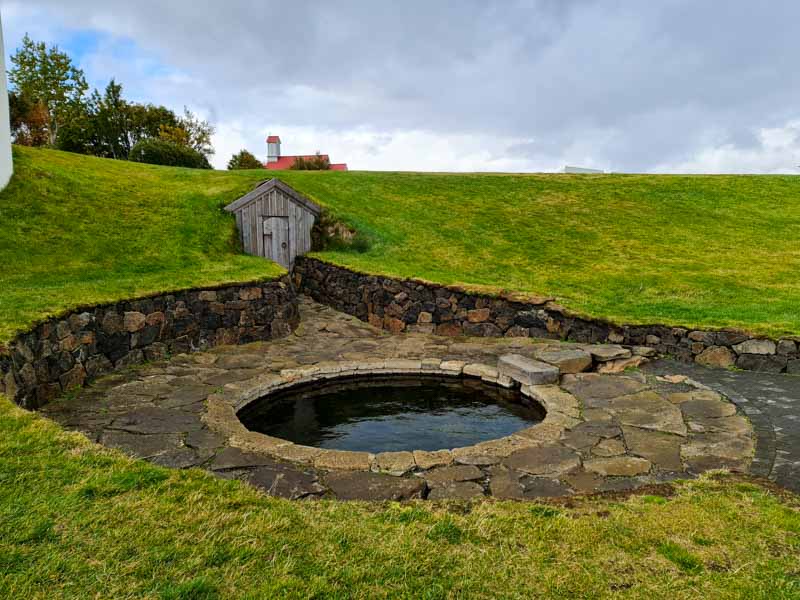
(100, 55)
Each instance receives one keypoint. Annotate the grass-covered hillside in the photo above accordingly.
(77, 230)
(707, 251)
(81, 521)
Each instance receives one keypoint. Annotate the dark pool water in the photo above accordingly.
(381, 414)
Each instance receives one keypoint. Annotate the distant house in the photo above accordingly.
(276, 162)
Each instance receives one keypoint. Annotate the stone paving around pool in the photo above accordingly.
(604, 431)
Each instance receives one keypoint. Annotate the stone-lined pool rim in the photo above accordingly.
(631, 429)
(563, 411)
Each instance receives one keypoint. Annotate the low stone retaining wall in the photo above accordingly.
(409, 305)
(68, 351)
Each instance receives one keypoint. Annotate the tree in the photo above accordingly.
(28, 120)
(146, 121)
(189, 131)
(48, 78)
(78, 133)
(244, 160)
(175, 134)
(156, 151)
(111, 122)
(199, 132)
(317, 163)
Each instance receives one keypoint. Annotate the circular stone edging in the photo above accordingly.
(562, 410)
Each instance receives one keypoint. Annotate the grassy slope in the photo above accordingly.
(694, 251)
(77, 230)
(80, 521)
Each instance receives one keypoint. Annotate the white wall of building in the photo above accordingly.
(6, 164)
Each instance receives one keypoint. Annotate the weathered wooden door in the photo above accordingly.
(276, 240)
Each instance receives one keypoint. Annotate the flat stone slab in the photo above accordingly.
(395, 463)
(618, 466)
(554, 398)
(607, 352)
(230, 377)
(234, 458)
(341, 459)
(567, 360)
(457, 490)
(735, 425)
(480, 460)
(662, 449)
(240, 361)
(725, 451)
(545, 460)
(137, 444)
(713, 409)
(541, 487)
(648, 410)
(156, 420)
(608, 447)
(583, 481)
(580, 440)
(506, 484)
(360, 485)
(527, 370)
(204, 439)
(599, 429)
(595, 390)
(285, 482)
(430, 459)
(181, 458)
(621, 364)
(453, 473)
(185, 395)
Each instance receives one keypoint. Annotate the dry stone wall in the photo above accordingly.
(69, 351)
(410, 305)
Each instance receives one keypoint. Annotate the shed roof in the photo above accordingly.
(275, 183)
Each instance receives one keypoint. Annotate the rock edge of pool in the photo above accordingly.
(602, 431)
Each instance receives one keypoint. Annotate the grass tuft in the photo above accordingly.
(446, 531)
(678, 555)
(544, 512)
(196, 589)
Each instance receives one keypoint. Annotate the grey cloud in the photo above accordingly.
(640, 83)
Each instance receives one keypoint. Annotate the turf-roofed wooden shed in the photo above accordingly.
(275, 221)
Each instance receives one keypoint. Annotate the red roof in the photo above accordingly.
(273, 139)
(285, 162)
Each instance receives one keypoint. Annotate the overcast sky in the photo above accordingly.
(660, 86)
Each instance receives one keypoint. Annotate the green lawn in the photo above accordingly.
(78, 230)
(707, 251)
(79, 521)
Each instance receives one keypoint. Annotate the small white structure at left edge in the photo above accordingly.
(6, 163)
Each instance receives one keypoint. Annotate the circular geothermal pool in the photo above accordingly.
(391, 413)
